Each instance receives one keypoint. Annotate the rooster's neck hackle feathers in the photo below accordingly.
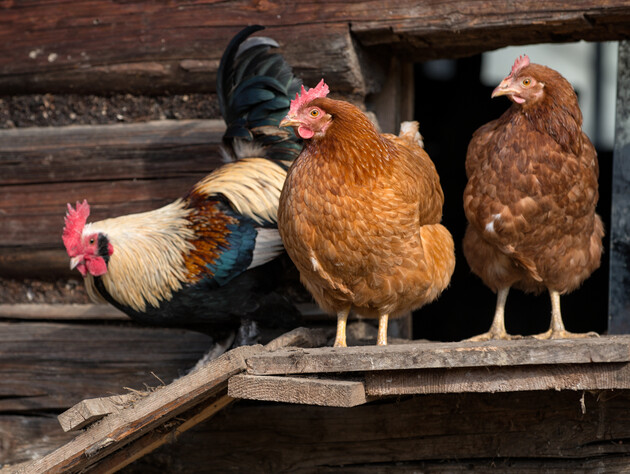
(252, 186)
(147, 265)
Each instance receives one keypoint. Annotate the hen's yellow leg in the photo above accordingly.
(556, 328)
(342, 320)
(382, 330)
(497, 330)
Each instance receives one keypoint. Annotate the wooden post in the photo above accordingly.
(619, 296)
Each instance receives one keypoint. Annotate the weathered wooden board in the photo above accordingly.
(108, 45)
(150, 150)
(500, 379)
(619, 297)
(40, 362)
(548, 427)
(442, 355)
(61, 312)
(300, 390)
(120, 169)
(91, 410)
(119, 429)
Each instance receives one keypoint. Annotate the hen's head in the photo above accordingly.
(524, 85)
(88, 251)
(306, 115)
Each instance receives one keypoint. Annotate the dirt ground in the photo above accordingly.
(63, 291)
(45, 110)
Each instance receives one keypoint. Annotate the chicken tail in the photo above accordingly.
(255, 88)
(410, 131)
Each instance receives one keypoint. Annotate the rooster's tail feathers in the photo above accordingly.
(255, 88)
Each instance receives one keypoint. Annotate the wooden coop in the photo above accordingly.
(116, 102)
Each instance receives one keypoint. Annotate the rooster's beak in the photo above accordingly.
(503, 89)
(75, 261)
(289, 121)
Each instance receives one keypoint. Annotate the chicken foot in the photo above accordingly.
(556, 328)
(342, 320)
(497, 330)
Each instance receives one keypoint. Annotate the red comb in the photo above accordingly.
(321, 90)
(519, 64)
(74, 222)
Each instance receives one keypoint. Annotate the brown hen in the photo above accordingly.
(531, 195)
(360, 214)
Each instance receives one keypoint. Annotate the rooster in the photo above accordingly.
(199, 259)
(360, 214)
(531, 195)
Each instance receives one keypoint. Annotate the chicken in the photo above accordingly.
(198, 260)
(531, 195)
(360, 214)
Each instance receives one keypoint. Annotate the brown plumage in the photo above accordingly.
(531, 195)
(360, 215)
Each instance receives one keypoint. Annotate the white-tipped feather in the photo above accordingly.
(268, 246)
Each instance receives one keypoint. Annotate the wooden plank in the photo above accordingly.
(442, 355)
(79, 153)
(549, 427)
(152, 441)
(619, 298)
(148, 46)
(117, 430)
(48, 367)
(499, 379)
(61, 312)
(300, 337)
(303, 391)
(91, 410)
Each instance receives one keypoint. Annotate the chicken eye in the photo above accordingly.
(91, 241)
(527, 82)
(314, 113)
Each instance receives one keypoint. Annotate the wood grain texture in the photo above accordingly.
(119, 169)
(547, 429)
(118, 430)
(442, 355)
(40, 363)
(108, 45)
(62, 312)
(500, 379)
(303, 391)
(91, 410)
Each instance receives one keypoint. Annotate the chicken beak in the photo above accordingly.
(75, 261)
(503, 89)
(289, 121)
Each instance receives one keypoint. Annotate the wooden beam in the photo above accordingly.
(48, 367)
(303, 391)
(155, 47)
(441, 355)
(119, 169)
(499, 379)
(619, 297)
(62, 312)
(118, 430)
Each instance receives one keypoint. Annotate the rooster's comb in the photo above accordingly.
(321, 90)
(74, 222)
(519, 64)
